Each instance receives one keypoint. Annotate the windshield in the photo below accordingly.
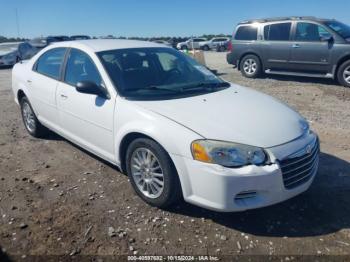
(158, 73)
(340, 28)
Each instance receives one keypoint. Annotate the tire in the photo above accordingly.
(222, 48)
(30, 121)
(140, 173)
(343, 74)
(250, 66)
(206, 48)
(184, 47)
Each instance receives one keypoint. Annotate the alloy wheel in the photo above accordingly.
(28, 117)
(250, 66)
(346, 74)
(147, 173)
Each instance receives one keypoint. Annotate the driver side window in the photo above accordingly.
(309, 32)
(80, 67)
(167, 61)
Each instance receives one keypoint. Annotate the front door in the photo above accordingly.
(86, 118)
(311, 48)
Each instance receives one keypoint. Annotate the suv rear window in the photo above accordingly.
(277, 32)
(249, 33)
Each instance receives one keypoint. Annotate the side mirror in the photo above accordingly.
(329, 39)
(89, 87)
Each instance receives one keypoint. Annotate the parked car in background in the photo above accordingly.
(11, 53)
(175, 128)
(298, 46)
(222, 47)
(163, 42)
(42, 42)
(213, 43)
(80, 37)
(192, 43)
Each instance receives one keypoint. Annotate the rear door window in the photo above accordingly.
(248, 33)
(50, 63)
(277, 32)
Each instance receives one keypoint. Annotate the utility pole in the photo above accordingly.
(17, 23)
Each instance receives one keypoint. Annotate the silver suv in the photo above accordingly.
(192, 43)
(214, 43)
(300, 46)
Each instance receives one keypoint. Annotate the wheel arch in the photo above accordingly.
(341, 61)
(125, 142)
(20, 95)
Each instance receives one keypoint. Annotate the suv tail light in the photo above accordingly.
(229, 46)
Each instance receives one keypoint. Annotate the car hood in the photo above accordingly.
(6, 52)
(237, 114)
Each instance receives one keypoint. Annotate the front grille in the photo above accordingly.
(299, 168)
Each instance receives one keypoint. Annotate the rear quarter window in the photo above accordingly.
(248, 33)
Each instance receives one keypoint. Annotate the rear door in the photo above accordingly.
(43, 83)
(86, 119)
(311, 50)
(277, 45)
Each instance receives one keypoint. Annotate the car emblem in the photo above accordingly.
(303, 125)
(308, 149)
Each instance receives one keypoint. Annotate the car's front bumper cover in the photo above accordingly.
(237, 189)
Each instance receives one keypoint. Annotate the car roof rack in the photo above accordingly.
(274, 19)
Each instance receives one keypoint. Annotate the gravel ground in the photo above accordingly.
(56, 199)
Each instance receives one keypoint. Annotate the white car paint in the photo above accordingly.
(236, 114)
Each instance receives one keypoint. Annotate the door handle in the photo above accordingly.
(63, 96)
(296, 46)
(29, 81)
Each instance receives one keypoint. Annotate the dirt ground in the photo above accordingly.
(56, 199)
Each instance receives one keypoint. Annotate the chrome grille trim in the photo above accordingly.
(303, 165)
(298, 170)
(303, 157)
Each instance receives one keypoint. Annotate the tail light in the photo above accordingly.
(229, 46)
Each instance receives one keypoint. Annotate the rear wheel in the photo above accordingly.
(184, 47)
(152, 173)
(344, 74)
(31, 122)
(250, 66)
(206, 48)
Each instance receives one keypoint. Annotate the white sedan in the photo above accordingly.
(175, 128)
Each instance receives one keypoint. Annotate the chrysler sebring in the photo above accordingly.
(176, 129)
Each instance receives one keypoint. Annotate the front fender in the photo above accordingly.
(173, 137)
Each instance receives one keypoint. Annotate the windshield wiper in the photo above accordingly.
(206, 86)
(159, 88)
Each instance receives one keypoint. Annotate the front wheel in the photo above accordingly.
(251, 66)
(31, 122)
(152, 173)
(344, 74)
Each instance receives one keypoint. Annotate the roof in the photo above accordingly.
(99, 45)
(275, 19)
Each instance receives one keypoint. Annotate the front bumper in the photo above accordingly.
(237, 189)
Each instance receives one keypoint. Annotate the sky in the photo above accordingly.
(151, 18)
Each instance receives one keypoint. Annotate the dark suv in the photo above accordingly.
(300, 46)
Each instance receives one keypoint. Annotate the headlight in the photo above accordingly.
(227, 154)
